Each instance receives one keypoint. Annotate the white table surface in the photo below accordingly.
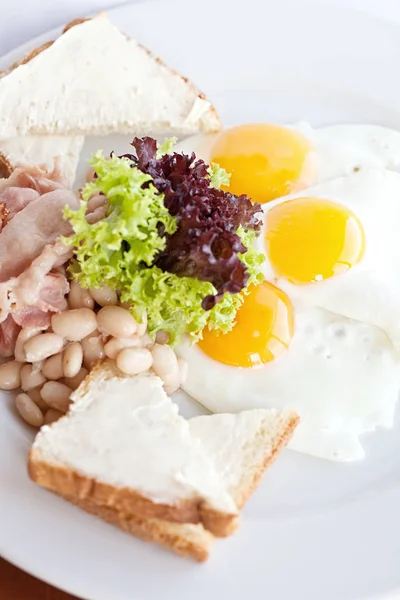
(21, 20)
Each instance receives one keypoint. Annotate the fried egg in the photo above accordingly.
(322, 334)
(340, 375)
(337, 246)
(267, 161)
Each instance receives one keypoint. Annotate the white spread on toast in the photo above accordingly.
(128, 433)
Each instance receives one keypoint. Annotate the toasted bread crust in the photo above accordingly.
(66, 482)
(69, 483)
(74, 22)
(269, 459)
(175, 537)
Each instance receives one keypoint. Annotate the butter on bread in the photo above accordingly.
(93, 80)
(124, 453)
(41, 150)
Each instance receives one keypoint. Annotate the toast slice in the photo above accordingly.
(216, 463)
(185, 539)
(93, 80)
(43, 151)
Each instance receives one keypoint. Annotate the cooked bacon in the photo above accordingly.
(50, 299)
(41, 222)
(35, 178)
(9, 331)
(33, 283)
(14, 199)
(32, 317)
(38, 286)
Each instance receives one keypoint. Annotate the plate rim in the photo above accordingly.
(18, 52)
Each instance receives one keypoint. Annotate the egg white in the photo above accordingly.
(338, 150)
(342, 149)
(340, 375)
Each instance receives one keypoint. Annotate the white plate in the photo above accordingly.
(315, 530)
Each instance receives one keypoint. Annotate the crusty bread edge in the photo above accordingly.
(210, 118)
(171, 536)
(70, 483)
(269, 458)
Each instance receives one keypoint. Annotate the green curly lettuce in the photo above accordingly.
(120, 249)
(166, 147)
(218, 176)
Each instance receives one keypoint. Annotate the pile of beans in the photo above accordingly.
(49, 364)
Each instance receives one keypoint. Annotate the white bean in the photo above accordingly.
(75, 382)
(72, 359)
(51, 416)
(53, 367)
(183, 370)
(79, 297)
(133, 361)
(34, 394)
(75, 324)
(165, 365)
(28, 410)
(115, 345)
(93, 349)
(56, 395)
(30, 379)
(142, 326)
(42, 346)
(24, 335)
(10, 375)
(105, 296)
(116, 321)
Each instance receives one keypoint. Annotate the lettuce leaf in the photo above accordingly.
(120, 251)
(218, 176)
(166, 147)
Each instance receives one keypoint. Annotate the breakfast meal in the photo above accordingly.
(252, 267)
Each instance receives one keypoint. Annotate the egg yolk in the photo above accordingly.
(265, 161)
(311, 239)
(263, 330)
